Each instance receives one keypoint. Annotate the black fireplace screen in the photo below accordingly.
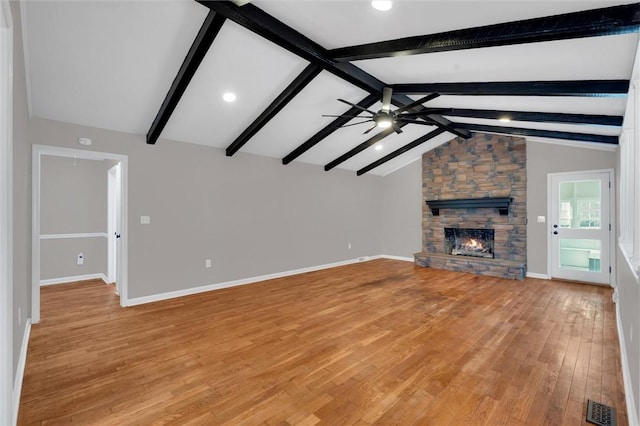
(469, 242)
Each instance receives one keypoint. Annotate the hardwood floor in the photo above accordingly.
(379, 342)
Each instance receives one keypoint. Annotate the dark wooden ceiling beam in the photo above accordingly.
(581, 137)
(538, 117)
(590, 23)
(422, 139)
(261, 23)
(329, 129)
(364, 145)
(208, 32)
(296, 86)
(585, 88)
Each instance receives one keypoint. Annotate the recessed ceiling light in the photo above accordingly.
(504, 119)
(382, 5)
(378, 147)
(229, 97)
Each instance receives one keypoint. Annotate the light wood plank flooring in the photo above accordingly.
(379, 342)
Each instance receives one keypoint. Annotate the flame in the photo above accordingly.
(474, 243)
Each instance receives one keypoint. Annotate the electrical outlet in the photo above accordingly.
(145, 220)
(542, 219)
(80, 259)
(349, 246)
(207, 263)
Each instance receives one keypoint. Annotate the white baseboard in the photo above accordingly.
(632, 411)
(65, 280)
(392, 257)
(537, 275)
(22, 362)
(244, 281)
(195, 290)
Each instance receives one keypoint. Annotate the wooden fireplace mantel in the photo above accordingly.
(500, 203)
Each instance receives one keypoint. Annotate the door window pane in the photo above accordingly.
(580, 254)
(580, 204)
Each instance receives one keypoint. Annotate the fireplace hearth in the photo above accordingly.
(469, 242)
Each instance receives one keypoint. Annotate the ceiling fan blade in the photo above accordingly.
(386, 99)
(396, 128)
(418, 102)
(413, 121)
(346, 116)
(355, 124)
(370, 129)
(426, 111)
(356, 106)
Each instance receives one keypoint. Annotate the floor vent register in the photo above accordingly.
(600, 414)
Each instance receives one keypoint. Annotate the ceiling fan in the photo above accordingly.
(386, 118)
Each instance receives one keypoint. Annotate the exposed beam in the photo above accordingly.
(581, 137)
(587, 88)
(542, 117)
(358, 149)
(447, 125)
(400, 151)
(208, 32)
(329, 129)
(300, 82)
(259, 22)
(590, 23)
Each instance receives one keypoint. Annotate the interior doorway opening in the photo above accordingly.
(116, 212)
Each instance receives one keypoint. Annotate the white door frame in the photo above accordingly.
(113, 228)
(612, 218)
(38, 152)
(6, 215)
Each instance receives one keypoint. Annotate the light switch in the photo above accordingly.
(541, 219)
(145, 220)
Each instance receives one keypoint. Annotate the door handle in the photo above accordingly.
(555, 232)
(117, 235)
(555, 226)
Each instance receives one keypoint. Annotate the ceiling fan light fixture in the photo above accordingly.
(384, 122)
(382, 5)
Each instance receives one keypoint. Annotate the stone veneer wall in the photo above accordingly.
(482, 166)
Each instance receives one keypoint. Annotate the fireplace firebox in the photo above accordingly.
(469, 242)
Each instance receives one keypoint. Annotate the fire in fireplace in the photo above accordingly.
(469, 242)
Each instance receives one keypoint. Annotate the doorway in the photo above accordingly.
(119, 211)
(580, 226)
(114, 185)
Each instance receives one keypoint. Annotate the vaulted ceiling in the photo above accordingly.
(557, 70)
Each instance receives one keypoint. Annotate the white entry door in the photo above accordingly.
(580, 227)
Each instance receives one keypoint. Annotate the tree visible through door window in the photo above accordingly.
(589, 214)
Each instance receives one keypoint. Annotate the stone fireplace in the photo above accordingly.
(474, 211)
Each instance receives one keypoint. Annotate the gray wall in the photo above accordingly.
(73, 196)
(542, 159)
(401, 224)
(21, 192)
(73, 200)
(250, 215)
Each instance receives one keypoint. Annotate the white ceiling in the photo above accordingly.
(110, 64)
